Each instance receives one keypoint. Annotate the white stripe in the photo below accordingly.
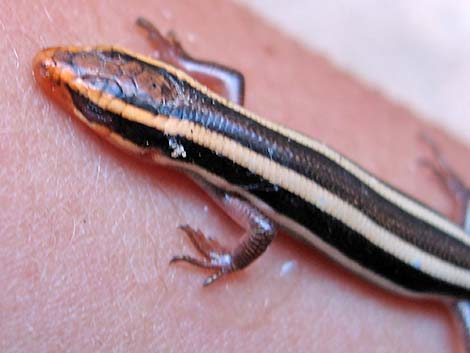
(302, 187)
(408, 204)
(323, 200)
(419, 211)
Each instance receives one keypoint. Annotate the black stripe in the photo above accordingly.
(154, 89)
(350, 243)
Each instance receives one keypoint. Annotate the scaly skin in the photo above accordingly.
(87, 232)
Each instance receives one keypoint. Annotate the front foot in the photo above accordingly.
(225, 81)
(215, 256)
(167, 48)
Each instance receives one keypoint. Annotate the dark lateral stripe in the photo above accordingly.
(192, 105)
(350, 243)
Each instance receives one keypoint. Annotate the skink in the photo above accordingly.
(265, 175)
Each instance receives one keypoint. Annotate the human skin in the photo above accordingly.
(87, 231)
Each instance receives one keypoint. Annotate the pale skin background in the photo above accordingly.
(87, 231)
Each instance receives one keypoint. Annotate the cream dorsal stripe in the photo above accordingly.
(390, 194)
(410, 205)
(118, 96)
(381, 210)
(300, 186)
(265, 176)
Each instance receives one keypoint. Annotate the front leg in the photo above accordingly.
(260, 231)
(223, 80)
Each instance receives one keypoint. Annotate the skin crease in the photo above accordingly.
(87, 231)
